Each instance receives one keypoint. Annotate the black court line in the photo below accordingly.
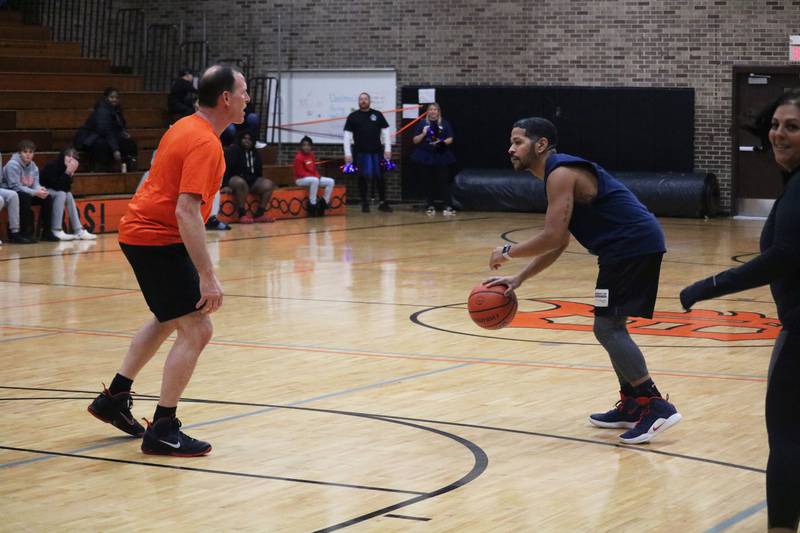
(481, 460)
(415, 318)
(260, 237)
(208, 470)
(738, 258)
(634, 448)
(405, 517)
(642, 449)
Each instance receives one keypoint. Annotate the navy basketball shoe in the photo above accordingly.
(625, 414)
(658, 416)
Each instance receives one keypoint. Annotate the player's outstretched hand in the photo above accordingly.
(512, 281)
(696, 292)
(210, 294)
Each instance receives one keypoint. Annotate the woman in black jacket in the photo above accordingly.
(182, 96)
(778, 265)
(105, 134)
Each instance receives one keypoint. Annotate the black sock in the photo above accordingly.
(242, 211)
(120, 384)
(647, 389)
(164, 412)
(259, 212)
(627, 389)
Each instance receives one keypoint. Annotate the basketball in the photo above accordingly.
(490, 308)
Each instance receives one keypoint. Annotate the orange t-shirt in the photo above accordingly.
(189, 160)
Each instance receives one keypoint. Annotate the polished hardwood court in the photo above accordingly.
(346, 388)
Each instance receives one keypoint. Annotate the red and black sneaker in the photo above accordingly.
(116, 410)
(164, 437)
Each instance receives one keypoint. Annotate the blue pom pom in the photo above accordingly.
(349, 168)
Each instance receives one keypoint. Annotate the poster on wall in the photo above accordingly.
(316, 102)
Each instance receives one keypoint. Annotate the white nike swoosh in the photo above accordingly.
(176, 445)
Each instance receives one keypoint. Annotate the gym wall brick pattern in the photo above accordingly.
(631, 43)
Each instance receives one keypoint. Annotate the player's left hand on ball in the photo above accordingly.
(497, 259)
(511, 281)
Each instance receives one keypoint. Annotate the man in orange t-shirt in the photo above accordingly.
(163, 237)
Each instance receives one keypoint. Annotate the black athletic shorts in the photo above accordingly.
(168, 279)
(628, 287)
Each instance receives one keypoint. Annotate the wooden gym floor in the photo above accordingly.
(346, 387)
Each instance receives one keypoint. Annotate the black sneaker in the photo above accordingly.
(216, 224)
(116, 410)
(48, 236)
(385, 207)
(322, 205)
(18, 238)
(164, 437)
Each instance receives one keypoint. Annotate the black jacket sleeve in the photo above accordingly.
(53, 176)
(232, 163)
(780, 259)
(104, 126)
(258, 170)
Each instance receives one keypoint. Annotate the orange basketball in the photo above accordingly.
(490, 308)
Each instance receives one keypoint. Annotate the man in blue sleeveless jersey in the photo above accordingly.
(609, 221)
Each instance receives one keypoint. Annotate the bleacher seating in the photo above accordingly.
(47, 90)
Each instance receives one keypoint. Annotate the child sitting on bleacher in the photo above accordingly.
(57, 175)
(10, 201)
(22, 175)
(307, 175)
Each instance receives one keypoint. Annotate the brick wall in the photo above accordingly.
(647, 43)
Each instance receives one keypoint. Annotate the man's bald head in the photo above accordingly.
(215, 81)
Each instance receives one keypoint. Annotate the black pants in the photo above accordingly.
(369, 172)
(26, 222)
(103, 155)
(783, 429)
(436, 179)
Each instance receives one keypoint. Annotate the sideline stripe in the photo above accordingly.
(735, 519)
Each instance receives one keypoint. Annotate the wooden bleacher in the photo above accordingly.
(47, 90)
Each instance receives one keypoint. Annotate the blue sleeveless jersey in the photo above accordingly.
(616, 225)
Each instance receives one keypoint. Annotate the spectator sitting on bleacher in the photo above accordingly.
(57, 175)
(307, 175)
(182, 95)
(105, 135)
(10, 200)
(251, 124)
(213, 223)
(22, 175)
(243, 176)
